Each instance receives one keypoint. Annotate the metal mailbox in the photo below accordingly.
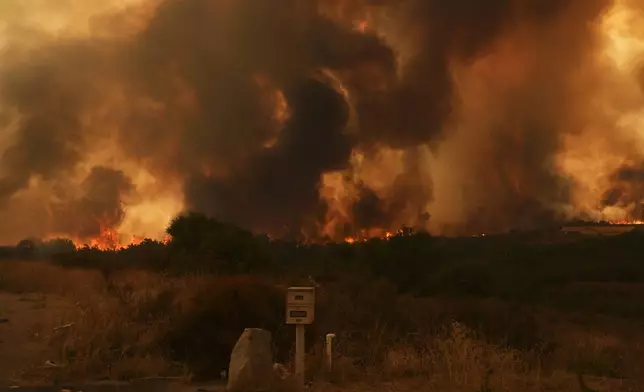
(300, 305)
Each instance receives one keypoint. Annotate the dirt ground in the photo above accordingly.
(27, 320)
(31, 325)
(25, 323)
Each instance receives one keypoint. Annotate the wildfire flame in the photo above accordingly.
(111, 240)
(627, 222)
(588, 162)
(361, 25)
(363, 238)
(108, 239)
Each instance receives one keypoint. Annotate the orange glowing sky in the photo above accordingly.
(585, 156)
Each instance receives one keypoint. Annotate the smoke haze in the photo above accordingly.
(312, 118)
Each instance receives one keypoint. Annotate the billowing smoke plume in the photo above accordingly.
(99, 205)
(628, 190)
(308, 116)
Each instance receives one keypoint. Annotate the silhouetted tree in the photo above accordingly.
(26, 249)
(56, 246)
(211, 242)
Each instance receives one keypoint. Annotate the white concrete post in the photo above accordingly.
(329, 350)
(300, 349)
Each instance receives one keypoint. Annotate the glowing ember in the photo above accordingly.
(627, 222)
(367, 236)
(361, 25)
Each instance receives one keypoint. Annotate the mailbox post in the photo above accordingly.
(300, 311)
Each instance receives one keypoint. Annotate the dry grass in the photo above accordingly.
(107, 333)
(118, 321)
(462, 361)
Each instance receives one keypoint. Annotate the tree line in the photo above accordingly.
(515, 265)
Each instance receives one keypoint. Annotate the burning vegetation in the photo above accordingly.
(341, 119)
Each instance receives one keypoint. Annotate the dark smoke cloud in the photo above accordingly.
(98, 207)
(406, 199)
(50, 91)
(281, 189)
(198, 112)
(415, 108)
(627, 190)
(512, 180)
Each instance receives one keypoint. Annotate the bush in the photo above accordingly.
(204, 334)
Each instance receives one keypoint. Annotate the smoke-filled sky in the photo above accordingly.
(319, 117)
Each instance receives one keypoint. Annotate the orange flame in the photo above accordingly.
(361, 25)
(367, 236)
(110, 239)
(627, 222)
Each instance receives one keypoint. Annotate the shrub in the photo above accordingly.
(204, 333)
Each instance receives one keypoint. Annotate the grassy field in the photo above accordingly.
(132, 324)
